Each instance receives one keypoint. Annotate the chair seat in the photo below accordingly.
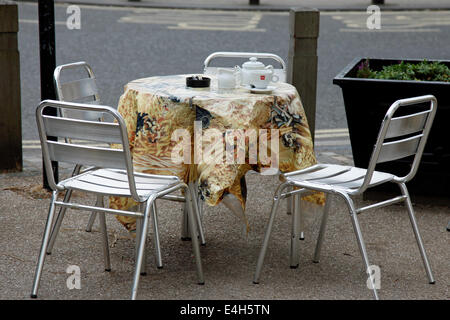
(115, 183)
(328, 177)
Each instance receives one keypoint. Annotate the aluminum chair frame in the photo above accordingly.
(111, 174)
(260, 55)
(77, 89)
(406, 136)
(292, 203)
(71, 92)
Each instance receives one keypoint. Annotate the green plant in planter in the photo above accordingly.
(423, 71)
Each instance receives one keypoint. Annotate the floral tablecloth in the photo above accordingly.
(154, 108)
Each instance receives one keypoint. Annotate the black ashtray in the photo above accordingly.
(198, 82)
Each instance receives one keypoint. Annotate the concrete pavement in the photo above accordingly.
(229, 258)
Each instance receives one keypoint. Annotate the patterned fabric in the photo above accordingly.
(154, 108)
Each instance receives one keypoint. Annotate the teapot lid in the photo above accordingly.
(253, 64)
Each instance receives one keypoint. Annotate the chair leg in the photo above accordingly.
(359, 238)
(141, 247)
(192, 213)
(295, 232)
(412, 218)
(104, 231)
(185, 224)
(301, 218)
(289, 202)
(91, 221)
(262, 253)
(45, 241)
(159, 264)
(137, 241)
(58, 222)
(323, 225)
(93, 215)
(199, 201)
(198, 218)
(185, 227)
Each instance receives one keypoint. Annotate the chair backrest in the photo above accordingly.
(77, 132)
(280, 72)
(403, 136)
(83, 90)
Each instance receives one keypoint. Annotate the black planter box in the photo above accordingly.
(367, 101)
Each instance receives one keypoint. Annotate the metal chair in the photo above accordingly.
(81, 90)
(292, 203)
(399, 137)
(110, 173)
(280, 72)
(85, 90)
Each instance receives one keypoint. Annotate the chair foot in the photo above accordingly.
(33, 296)
(159, 267)
(433, 282)
(201, 283)
(108, 270)
(315, 261)
(294, 267)
(143, 274)
(186, 239)
(48, 253)
(255, 282)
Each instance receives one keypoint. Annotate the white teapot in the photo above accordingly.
(252, 69)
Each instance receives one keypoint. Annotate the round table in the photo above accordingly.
(155, 108)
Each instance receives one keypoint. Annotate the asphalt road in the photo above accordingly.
(123, 44)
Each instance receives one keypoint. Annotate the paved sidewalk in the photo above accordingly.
(272, 5)
(229, 258)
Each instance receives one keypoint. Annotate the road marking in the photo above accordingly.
(184, 19)
(63, 23)
(197, 19)
(385, 30)
(391, 21)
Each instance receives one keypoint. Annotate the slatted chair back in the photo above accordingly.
(77, 132)
(82, 90)
(280, 72)
(403, 136)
